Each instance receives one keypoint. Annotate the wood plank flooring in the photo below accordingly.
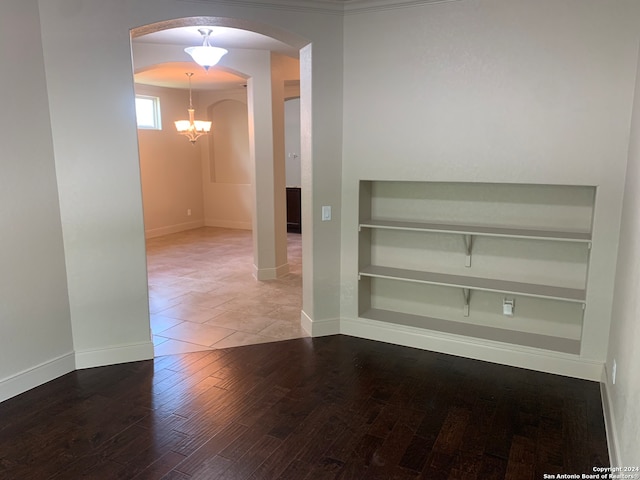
(325, 408)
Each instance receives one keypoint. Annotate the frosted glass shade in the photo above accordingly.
(206, 56)
(182, 125)
(198, 126)
(202, 126)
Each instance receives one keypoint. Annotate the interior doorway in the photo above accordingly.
(206, 301)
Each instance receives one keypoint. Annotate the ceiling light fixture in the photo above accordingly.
(192, 129)
(206, 55)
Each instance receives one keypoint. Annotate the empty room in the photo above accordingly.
(468, 264)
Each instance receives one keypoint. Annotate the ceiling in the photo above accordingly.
(225, 37)
(173, 74)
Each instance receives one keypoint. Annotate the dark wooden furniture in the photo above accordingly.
(294, 210)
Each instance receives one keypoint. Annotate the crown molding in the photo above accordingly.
(363, 6)
(331, 7)
(334, 7)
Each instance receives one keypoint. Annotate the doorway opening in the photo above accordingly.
(223, 270)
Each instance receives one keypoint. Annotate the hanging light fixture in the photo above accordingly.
(206, 55)
(192, 129)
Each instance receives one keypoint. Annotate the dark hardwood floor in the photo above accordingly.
(323, 408)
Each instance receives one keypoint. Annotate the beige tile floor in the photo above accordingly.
(202, 294)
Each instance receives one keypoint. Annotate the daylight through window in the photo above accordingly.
(148, 112)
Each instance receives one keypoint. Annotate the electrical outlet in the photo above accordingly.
(188, 212)
(614, 367)
(508, 304)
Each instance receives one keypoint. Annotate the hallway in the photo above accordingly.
(202, 294)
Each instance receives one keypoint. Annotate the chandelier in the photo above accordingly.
(206, 55)
(192, 129)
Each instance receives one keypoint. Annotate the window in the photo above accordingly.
(148, 112)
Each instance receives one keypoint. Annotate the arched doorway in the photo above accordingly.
(265, 95)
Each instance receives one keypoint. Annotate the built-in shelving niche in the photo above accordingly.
(444, 256)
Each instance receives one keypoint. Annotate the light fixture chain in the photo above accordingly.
(192, 128)
(190, 101)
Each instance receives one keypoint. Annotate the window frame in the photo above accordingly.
(157, 117)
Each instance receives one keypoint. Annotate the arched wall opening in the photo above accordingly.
(261, 171)
(87, 56)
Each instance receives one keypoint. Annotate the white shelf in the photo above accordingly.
(546, 342)
(514, 231)
(475, 283)
(555, 235)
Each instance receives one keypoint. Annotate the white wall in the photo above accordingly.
(230, 159)
(170, 169)
(624, 397)
(98, 178)
(494, 91)
(87, 49)
(497, 91)
(292, 141)
(226, 165)
(35, 326)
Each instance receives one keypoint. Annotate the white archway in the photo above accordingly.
(266, 94)
(99, 179)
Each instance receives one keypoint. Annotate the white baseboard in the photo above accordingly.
(181, 227)
(319, 328)
(523, 357)
(610, 423)
(37, 375)
(117, 354)
(270, 273)
(214, 222)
